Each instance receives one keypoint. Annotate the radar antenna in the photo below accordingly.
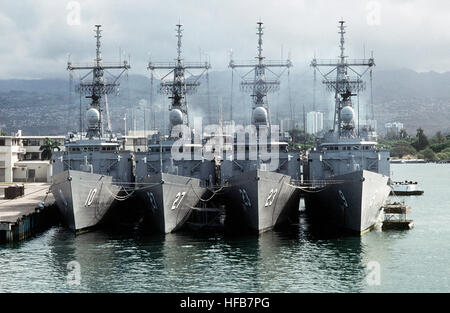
(343, 85)
(180, 86)
(260, 85)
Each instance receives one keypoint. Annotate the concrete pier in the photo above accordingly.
(25, 216)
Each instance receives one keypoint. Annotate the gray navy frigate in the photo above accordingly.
(172, 177)
(348, 173)
(257, 173)
(89, 175)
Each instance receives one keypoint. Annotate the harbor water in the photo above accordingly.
(298, 260)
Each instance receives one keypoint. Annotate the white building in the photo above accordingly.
(372, 124)
(393, 129)
(20, 158)
(287, 125)
(314, 122)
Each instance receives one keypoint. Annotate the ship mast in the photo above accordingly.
(179, 87)
(260, 85)
(343, 85)
(98, 87)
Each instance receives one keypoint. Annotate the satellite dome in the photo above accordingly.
(260, 115)
(347, 114)
(92, 117)
(176, 117)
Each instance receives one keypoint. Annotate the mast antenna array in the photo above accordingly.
(180, 86)
(99, 86)
(343, 85)
(260, 86)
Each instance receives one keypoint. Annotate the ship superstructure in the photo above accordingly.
(173, 176)
(259, 169)
(92, 171)
(350, 173)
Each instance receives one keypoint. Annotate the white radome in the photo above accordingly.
(176, 117)
(347, 114)
(92, 117)
(260, 115)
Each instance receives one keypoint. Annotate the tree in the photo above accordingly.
(299, 136)
(401, 149)
(47, 148)
(429, 155)
(421, 141)
(439, 138)
(403, 134)
(444, 156)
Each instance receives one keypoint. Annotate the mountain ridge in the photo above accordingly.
(402, 95)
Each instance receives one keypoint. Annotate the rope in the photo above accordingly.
(46, 194)
(131, 184)
(305, 189)
(321, 184)
(116, 196)
(394, 194)
(147, 186)
(215, 218)
(206, 200)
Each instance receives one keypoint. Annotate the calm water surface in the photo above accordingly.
(298, 260)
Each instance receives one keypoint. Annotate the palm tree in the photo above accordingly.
(422, 141)
(47, 148)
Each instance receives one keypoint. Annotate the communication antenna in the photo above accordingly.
(179, 87)
(98, 87)
(344, 86)
(260, 85)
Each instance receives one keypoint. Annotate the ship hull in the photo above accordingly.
(350, 202)
(83, 199)
(168, 200)
(407, 193)
(259, 201)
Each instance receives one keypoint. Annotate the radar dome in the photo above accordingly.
(260, 115)
(176, 117)
(347, 114)
(92, 117)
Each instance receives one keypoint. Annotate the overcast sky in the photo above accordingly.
(37, 35)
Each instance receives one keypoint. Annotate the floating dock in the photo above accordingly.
(207, 219)
(395, 216)
(27, 215)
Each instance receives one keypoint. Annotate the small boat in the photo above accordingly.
(406, 188)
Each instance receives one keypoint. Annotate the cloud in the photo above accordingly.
(36, 38)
